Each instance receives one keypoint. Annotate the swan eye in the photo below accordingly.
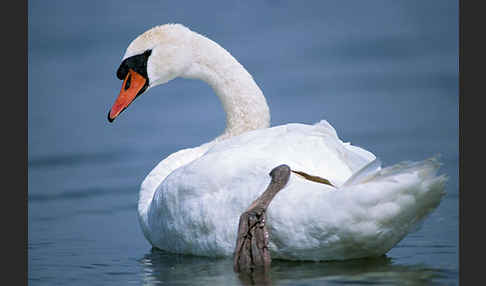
(127, 84)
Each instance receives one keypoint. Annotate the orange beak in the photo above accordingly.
(131, 88)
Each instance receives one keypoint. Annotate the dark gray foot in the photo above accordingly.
(251, 251)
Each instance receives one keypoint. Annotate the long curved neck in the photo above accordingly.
(243, 101)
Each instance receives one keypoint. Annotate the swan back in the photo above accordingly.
(195, 209)
(212, 190)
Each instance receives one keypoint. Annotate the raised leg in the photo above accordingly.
(251, 251)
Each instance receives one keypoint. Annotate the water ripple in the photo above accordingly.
(62, 160)
(83, 193)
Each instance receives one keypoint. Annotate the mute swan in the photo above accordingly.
(191, 201)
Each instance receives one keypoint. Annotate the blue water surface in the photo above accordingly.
(383, 73)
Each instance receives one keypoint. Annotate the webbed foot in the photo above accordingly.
(251, 251)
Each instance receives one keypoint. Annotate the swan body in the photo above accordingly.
(191, 201)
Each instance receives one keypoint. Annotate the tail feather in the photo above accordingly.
(398, 197)
(366, 173)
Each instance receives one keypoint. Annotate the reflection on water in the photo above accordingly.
(160, 267)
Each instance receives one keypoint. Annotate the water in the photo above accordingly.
(383, 73)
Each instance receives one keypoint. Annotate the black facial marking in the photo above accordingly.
(127, 84)
(137, 63)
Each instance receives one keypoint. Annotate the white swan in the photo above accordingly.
(191, 201)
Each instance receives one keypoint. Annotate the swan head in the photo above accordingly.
(155, 57)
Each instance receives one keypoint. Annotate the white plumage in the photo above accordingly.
(196, 208)
(191, 201)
